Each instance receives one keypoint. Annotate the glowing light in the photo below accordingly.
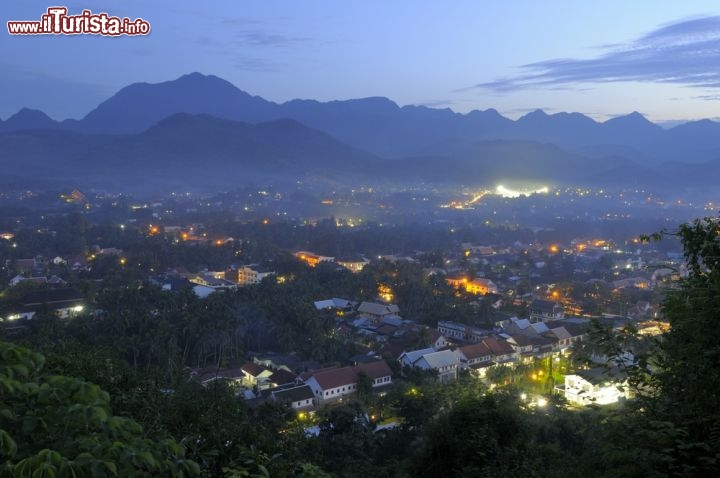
(541, 402)
(513, 193)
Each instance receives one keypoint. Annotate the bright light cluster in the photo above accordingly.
(512, 193)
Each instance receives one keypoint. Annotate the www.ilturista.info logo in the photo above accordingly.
(57, 22)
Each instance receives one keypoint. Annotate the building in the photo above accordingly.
(353, 264)
(545, 310)
(502, 351)
(481, 286)
(477, 286)
(250, 275)
(340, 306)
(299, 398)
(461, 332)
(333, 384)
(62, 303)
(255, 375)
(312, 259)
(444, 362)
(598, 386)
(475, 357)
(376, 311)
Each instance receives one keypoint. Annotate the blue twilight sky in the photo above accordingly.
(661, 58)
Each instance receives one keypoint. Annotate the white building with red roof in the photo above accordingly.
(329, 385)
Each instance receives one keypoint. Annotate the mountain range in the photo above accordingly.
(206, 127)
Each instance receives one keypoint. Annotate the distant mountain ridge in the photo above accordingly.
(198, 152)
(383, 128)
(203, 153)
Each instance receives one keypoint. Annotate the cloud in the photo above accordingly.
(260, 38)
(684, 53)
(707, 97)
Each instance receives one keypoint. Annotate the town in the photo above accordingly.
(495, 302)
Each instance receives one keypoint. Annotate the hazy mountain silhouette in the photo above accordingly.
(201, 125)
(197, 151)
(203, 153)
(29, 119)
(382, 127)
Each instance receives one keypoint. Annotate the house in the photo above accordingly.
(437, 340)
(206, 376)
(339, 305)
(249, 275)
(481, 286)
(63, 303)
(353, 264)
(329, 385)
(407, 359)
(289, 363)
(567, 331)
(333, 384)
(281, 377)
(599, 385)
(312, 259)
(462, 332)
(202, 291)
(522, 345)
(444, 362)
(458, 282)
(255, 375)
(299, 398)
(375, 311)
(213, 280)
(78, 263)
(517, 326)
(21, 278)
(502, 352)
(563, 338)
(379, 372)
(544, 310)
(477, 286)
(475, 357)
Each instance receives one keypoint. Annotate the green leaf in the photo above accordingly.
(8, 447)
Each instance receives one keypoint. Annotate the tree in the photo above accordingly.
(364, 385)
(479, 436)
(54, 425)
(689, 377)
